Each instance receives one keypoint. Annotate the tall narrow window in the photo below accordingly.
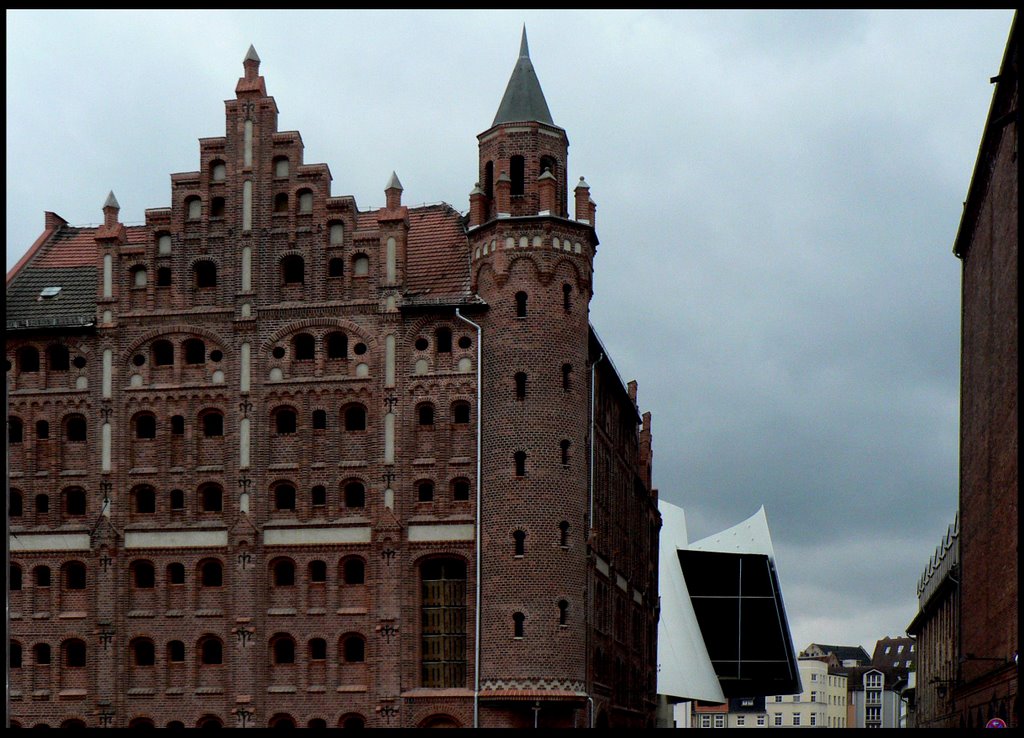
(566, 376)
(211, 651)
(355, 495)
(518, 619)
(425, 413)
(217, 207)
(15, 429)
(177, 425)
(283, 573)
(163, 353)
(337, 345)
(285, 421)
(425, 491)
(163, 277)
(284, 497)
(293, 269)
(565, 453)
(284, 650)
(211, 574)
(460, 413)
(145, 500)
(28, 359)
(567, 297)
(520, 304)
(75, 430)
(336, 267)
(521, 386)
(74, 575)
(42, 430)
(60, 358)
(318, 496)
(319, 419)
(211, 499)
(281, 202)
(304, 347)
(317, 571)
(353, 571)
(520, 461)
(519, 543)
(143, 575)
(443, 597)
(354, 650)
(460, 489)
(489, 179)
(563, 612)
(517, 171)
(444, 340)
(563, 534)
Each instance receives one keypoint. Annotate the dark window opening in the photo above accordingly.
(318, 496)
(145, 426)
(14, 577)
(354, 650)
(565, 453)
(177, 500)
(74, 502)
(444, 340)
(426, 414)
(460, 413)
(354, 571)
(278, 352)
(176, 652)
(176, 573)
(195, 351)
(284, 651)
(355, 418)
(422, 344)
(78, 362)
(41, 575)
(519, 547)
(319, 420)
(16, 508)
(284, 497)
(42, 430)
(318, 652)
(284, 573)
(285, 421)
(293, 269)
(177, 425)
(304, 347)
(465, 342)
(336, 267)
(521, 304)
(42, 504)
(281, 202)
(41, 654)
(74, 575)
(74, 654)
(547, 164)
(520, 459)
(217, 207)
(318, 571)
(206, 274)
(518, 619)
(489, 179)
(163, 277)
(517, 171)
(211, 574)
(521, 386)
(145, 500)
(337, 345)
(28, 359)
(144, 576)
(355, 495)
(15, 430)
(566, 376)
(460, 489)
(163, 353)
(359, 349)
(563, 612)
(15, 655)
(213, 424)
(211, 499)
(425, 492)
(211, 652)
(76, 429)
(563, 534)
(567, 297)
(60, 358)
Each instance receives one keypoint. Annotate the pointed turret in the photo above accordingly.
(251, 81)
(110, 210)
(523, 100)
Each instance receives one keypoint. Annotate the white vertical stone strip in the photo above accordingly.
(108, 373)
(105, 448)
(246, 268)
(389, 360)
(392, 255)
(247, 205)
(245, 368)
(389, 438)
(108, 275)
(243, 444)
(248, 143)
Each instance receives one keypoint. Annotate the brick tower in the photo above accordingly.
(533, 266)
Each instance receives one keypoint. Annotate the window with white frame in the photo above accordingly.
(719, 721)
(796, 718)
(705, 721)
(777, 718)
(760, 719)
(741, 720)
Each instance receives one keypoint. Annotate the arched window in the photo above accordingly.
(565, 452)
(303, 347)
(460, 489)
(42, 430)
(318, 496)
(15, 429)
(60, 358)
(211, 651)
(355, 418)
(566, 376)
(354, 650)
(193, 208)
(177, 501)
(176, 652)
(16, 506)
(28, 359)
(41, 576)
(285, 420)
(280, 166)
(355, 495)
(211, 498)
(567, 297)
(163, 277)
(521, 304)
(444, 340)
(74, 653)
(352, 721)
(548, 164)
(563, 612)
(281, 721)
(460, 412)
(41, 654)
(520, 461)
(42, 504)
(317, 650)
(293, 269)
(75, 429)
(283, 573)
(283, 650)
(145, 425)
(284, 497)
(519, 546)
(206, 274)
(195, 351)
(281, 202)
(163, 244)
(211, 573)
(145, 500)
(353, 571)
(360, 265)
(337, 233)
(217, 207)
(563, 534)
(74, 502)
(521, 385)
(177, 425)
(213, 424)
(143, 652)
(143, 575)
(140, 722)
(163, 353)
(489, 179)
(425, 414)
(305, 201)
(74, 575)
(15, 651)
(218, 171)
(336, 267)
(14, 577)
(518, 619)
(319, 420)
(337, 345)
(176, 573)
(317, 571)
(517, 171)
(425, 491)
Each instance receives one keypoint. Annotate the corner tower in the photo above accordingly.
(533, 266)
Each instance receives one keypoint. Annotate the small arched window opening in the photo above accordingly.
(176, 652)
(517, 171)
(143, 652)
(163, 353)
(353, 571)
(211, 574)
(15, 429)
(206, 274)
(143, 575)
(521, 385)
(42, 430)
(15, 655)
(317, 651)
(521, 304)
(74, 502)
(280, 166)
(425, 491)
(548, 164)
(284, 497)
(195, 351)
(520, 462)
(75, 430)
(444, 340)
(145, 500)
(319, 420)
(138, 276)
(318, 571)
(460, 413)
(163, 244)
(566, 376)
(336, 233)
(360, 265)
(304, 347)
(460, 490)
(193, 208)
(41, 654)
(281, 202)
(211, 499)
(176, 573)
(425, 414)
(211, 651)
(213, 424)
(337, 345)
(41, 576)
(354, 650)
(336, 267)
(518, 620)
(563, 534)
(563, 612)
(28, 359)
(567, 297)
(489, 179)
(217, 207)
(16, 507)
(565, 452)
(74, 575)
(285, 421)
(355, 418)
(293, 269)
(284, 650)
(318, 496)
(42, 504)
(218, 171)
(14, 577)
(74, 654)
(163, 277)
(177, 425)
(145, 426)
(355, 495)
(177, 501)
(519, 543)
(305, 201)
(60, 358)
(283, 573)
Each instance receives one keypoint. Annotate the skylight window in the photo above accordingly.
(48, 293)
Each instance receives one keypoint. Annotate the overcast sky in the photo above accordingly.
(777, 195)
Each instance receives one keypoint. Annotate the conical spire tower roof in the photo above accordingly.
(523, 100)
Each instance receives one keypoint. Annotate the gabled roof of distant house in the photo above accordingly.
(843, 653)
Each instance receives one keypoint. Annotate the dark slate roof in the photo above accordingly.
(845, 653)
(523, 100)
(74, 305)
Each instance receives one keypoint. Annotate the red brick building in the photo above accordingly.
(274, 460)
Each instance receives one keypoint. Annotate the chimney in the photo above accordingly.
(110, 211)
(393, 193)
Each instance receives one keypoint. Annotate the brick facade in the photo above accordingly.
(244, 487)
